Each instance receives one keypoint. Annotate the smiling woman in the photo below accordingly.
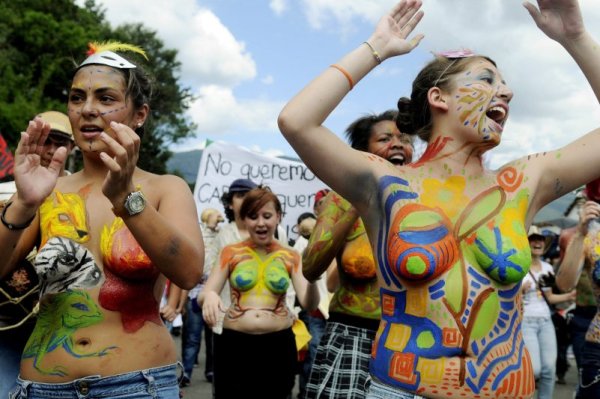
(257, 331)
(448, 235)
(108, 237)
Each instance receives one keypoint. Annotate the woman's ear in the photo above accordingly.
(437, 99)
(141, 114)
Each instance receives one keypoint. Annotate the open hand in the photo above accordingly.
(560, 20)
(35, 182)
(394, 28)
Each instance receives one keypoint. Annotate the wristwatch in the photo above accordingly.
(134, 204)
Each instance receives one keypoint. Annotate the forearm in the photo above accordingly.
(311, 297)
(572, 264)
(11, 249)
(586, 53)
(318, 99)
(558, 298)
(324, 245)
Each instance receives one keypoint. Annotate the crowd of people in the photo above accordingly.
(416, 278)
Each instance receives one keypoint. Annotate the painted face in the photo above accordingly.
(97, 97)
(262, 224)
(53, 142)
(481, 99)
(389, 143)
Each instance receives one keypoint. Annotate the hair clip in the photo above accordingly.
(453, 54)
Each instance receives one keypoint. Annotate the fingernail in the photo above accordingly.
(113, 123)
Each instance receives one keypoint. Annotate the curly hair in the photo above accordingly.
(359, 131)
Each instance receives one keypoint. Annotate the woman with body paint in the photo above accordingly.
(449, 236)
(341, 367)
(580, 268)
(108, 237)
(255, 356)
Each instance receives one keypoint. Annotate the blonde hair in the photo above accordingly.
(208, 212)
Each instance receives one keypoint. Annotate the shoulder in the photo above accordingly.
(164, 183)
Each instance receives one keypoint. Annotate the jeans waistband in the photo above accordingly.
(96, 386)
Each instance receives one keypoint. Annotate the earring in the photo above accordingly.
(139, 124)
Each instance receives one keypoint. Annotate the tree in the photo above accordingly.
(42, 41)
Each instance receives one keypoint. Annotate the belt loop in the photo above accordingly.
(24, 389)
(151, 382)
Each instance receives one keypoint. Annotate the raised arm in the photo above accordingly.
(329, 236)
(34, 183)
(301, 121)
(577, 163)
(168, 233)
(574, 258)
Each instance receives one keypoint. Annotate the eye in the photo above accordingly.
(75, 98)
(383, 139)
(107, 99)
(487, 79)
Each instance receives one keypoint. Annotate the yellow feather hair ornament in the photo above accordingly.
(98, 47)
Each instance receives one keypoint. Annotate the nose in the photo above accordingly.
(89, 108)
(504, 92)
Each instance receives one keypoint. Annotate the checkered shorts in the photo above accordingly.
(341, 367)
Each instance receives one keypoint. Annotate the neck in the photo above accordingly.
(445, 149)
(239, 223)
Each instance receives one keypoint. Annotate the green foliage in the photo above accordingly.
(41, 42)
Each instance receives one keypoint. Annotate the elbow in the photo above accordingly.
(288, 125)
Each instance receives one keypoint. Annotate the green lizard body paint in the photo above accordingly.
(61, 315)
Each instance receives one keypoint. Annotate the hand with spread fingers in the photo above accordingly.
(560, 20)
(390, 37)
(35, 182)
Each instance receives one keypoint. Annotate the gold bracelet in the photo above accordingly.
(374, 52)
(346, 74)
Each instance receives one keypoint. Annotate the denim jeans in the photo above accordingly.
(378, 390)
(540, 341)
(156, 383)
(589, 372)
(191, 337)
(578, 326)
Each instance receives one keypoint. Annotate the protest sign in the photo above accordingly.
(293, 183)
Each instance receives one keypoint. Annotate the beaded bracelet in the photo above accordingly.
(346, 74)
(12, 226)
(374, 52)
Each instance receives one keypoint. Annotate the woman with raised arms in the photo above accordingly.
(449, 236)
(108, 237)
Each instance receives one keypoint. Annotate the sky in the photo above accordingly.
(244, 59)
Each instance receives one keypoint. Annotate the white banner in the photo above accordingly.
(222, 163)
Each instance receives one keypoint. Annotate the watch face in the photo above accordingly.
(135, 203)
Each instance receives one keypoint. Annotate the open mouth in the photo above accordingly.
(90, 131)
(397, 160)
(498, 114)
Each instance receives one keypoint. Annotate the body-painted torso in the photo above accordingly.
(259, 281)
(450, 261)
(97, 291)
(592, 249)
(358, 293)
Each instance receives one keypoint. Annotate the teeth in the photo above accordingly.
(498, 109)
